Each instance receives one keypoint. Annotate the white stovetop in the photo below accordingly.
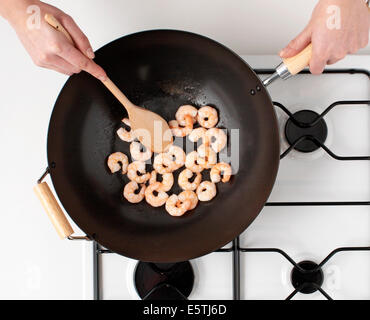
(305, 233)
(35, 264)
(313, 232)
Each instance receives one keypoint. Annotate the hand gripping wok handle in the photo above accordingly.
(53, 210)
(291, 66)
(300, 61)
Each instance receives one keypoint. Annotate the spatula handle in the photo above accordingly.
(118, 94)
(50, 19)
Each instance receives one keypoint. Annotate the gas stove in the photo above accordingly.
(311, 240)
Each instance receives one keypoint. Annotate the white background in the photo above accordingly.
(34, 263)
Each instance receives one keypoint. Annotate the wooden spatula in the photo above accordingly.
(150, 128)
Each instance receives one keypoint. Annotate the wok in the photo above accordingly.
(161, 70)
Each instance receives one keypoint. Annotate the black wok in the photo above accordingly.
(161, 70)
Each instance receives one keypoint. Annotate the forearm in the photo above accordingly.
(346, 3)
(12, 9)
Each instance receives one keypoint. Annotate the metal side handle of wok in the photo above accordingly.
(54, 211)
(291, 66)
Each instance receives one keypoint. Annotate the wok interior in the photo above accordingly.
(160, 70)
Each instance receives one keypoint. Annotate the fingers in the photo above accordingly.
(320, 53)
(335, 59)
(319, 58)
(62, 64)
(55, 68)
(56, 63)
(79, 54)
(297, 45)
(317, 66)
(60, 70)
(79, 38)
(364, 41)
(75, 57)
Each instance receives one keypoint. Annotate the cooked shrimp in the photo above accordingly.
(125, 135)
(116, 161)
(167, 180)
(220, 138)
(137, 167)
(184, 182)
(198, 133)
(175, 207)
(207, 117)
(130, 194)
(189, 195)
(207, 158)
(177, 155)
(206, 191)
(191, 162)
(137, 153)
(155, 200)
(219, 168)
(186, 110)
(179, 131)
(163, 163)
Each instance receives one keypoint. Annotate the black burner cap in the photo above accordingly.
(164, 281)
(293, 132)
(308, 281)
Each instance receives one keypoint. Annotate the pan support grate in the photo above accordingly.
(301, 268)
(236, 251)
(316, 121)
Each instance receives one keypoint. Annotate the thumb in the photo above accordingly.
(297, 45)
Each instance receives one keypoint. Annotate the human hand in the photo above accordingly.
(48, 47)
(333, 32)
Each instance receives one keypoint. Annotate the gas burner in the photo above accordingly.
(164, 281)
(294, 131)
(309, 281)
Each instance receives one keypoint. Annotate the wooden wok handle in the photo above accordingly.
(53, 210)
(297, 63)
